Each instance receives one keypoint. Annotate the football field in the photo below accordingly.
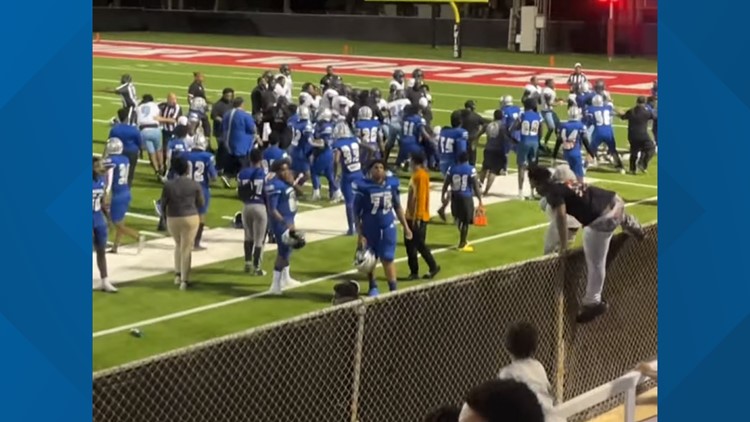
(226, 300)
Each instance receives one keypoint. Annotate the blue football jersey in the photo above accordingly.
(571, 133)
(201, 167)
(368, 131)
(350, 155)
(324, 131)
(282, 198)
(411, 128)
(462, 178)
(531, 121)
(98, 197)
(510, 114)
(374, 203)
(120, 166)
(176, 145)
(272, 154)
(601, 118)
(256, 177)
(452, 141)
(301, 136)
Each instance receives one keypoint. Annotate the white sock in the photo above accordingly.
(316, 191)
(276, 283)
(285, 275)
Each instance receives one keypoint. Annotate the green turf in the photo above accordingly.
(157, 296)
(470, 54)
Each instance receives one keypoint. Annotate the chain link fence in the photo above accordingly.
(396, 357)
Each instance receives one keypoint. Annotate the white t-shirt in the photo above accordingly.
(532, 373)
(328, 96)
(287, 86)
(340, 105)
(307, 100)
(147, 114)
(396, 108)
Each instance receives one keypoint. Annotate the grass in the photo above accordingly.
(157, 296)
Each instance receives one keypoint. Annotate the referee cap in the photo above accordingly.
(577, 65)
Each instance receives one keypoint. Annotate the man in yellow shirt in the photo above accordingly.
(417, 216)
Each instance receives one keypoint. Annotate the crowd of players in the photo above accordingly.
(346, 135)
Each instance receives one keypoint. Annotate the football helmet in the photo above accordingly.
(198, 104)
(294, 239)
(507, 100)
(365, 113)
(574, 113)
(304, 113)
(342, 130)
(325, 115)
(114, 146)
(365, 261)
(200, 142)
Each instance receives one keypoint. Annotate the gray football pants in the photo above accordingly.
(255, 223)
(596, 238)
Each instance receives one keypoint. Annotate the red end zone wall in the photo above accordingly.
(440, 71)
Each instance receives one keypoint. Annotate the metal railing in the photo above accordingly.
(395, 357)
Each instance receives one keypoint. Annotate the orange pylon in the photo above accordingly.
(551, 61)
(97, 37)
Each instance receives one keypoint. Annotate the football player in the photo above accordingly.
(495, 152)
(396, 113)
(417, 79)
(272, 153)
(341, 104)
(528, 124)
(573, 135)
(370, 135)
(327, 79)
(413, 131)
(286, 72)
(202, 169)
(309, 98)
(549, 101)
(322, 164)
(397, 84)
(250, 188)
(302, 135)
(118, 191)
(510, 116)
(347, 153)
(452, 141)
(281, 192)
(377, 204)
(532, 90)
(100, 227)
(461, 181)
(599, 115)
(331, 92)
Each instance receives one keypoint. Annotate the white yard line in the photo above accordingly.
(142, 216)
(229, 302)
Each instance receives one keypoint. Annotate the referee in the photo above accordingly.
(169, 109)
(417, 216)
(577, 78)
(126, 91)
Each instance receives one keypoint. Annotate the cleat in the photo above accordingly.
(432, 274)
(259, 272)
(108, 287)
(591, 312)
(373, 292)
(226, 182)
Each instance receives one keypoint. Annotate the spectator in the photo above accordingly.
(181, 198)
(444, 414)
(521, 342)
(562, 174)
(501, 400)
(238, 133)
(647, 370)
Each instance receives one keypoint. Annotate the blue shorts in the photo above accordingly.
(206, 201)
(119, 206)
(575, 161)
(526, 153)
(346, 185)
(609, 141)
(323, 163)
(405, 149)
(444, 166)
(100, 236)
(152, 139)
(382, 242)
(283, 250)
(300, 160)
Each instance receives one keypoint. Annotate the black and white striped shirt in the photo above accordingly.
(127, 92)
(169, 111)
(577, 79)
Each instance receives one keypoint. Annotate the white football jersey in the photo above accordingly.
(309, 101)
(382, 104)
(328, 96)
(549, 96)
(279, 91)
(396, 85)
(396, 108)
(147, 113)
(532, 90)
(288, 85)
(340, 105)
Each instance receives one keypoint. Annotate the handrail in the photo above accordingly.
(625, 384)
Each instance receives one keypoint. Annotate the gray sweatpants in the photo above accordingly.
(596, 238)
(255, 223)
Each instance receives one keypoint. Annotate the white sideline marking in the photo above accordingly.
(143, 217)
(151, 234)
(96, 154)
(217, 305)
(96, 105)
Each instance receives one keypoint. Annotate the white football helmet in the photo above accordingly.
(436, 130)
(507, 100)
(325, 115)
(182, 121)
(365, 261)
(200, 142)
(574, 113)
(342, 130)
(304, 113)
(365, 113)
(114, 146)
(597, 101)
(198, 104)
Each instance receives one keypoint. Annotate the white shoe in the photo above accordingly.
(276, 283)
(337, 197)
(96, 285)
(316, 195)
(141, 243)
(521, 196)
(622, 171)
(177, 280)
(289, 282)
(108, 287)
(183, 286)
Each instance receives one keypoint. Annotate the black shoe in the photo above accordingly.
(632, 227)
(412, 277)
(441, 214)
(591, 312)
(432, 274)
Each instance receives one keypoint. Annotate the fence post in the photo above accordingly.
(560, 332)
(358, 347)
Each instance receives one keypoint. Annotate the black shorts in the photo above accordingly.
(462, 208)
(494, 161)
